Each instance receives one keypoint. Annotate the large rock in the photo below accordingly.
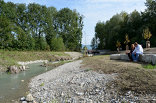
(13, 69)
(115, 57)
(154, 59)
(147, 58)
(124, 57)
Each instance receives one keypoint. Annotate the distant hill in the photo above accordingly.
(88, 46)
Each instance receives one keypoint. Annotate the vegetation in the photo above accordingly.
(118, 44)
(8, 58)
(37, 27)
(133, 24)
(149, 66)
(130, 76)
(126, 39)
(147, 34)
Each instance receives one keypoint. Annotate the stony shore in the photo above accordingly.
(31, 62)
(70, 83)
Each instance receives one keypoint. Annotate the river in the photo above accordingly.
(12, 86)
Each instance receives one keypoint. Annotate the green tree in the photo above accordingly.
(70, 26)
(57, 44)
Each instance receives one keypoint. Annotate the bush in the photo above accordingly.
(57, 44)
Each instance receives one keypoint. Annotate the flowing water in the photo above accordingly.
(12, 86)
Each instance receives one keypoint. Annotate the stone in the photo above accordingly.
(13, 69)
(147, 58)
(124, 57)
(115, 57)
(22, 99)
(29, 98)
(154, 59)
(22, 68)
(22, 80)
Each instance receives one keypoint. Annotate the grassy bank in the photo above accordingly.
(131, 76)
(8, 58)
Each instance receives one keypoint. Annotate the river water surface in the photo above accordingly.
(11, 85)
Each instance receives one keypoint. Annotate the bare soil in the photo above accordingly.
(131, 76)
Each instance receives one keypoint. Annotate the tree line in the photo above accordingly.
(37, 27)
(108, 33)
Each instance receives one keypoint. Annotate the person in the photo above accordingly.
(137, 51)
(129, 53)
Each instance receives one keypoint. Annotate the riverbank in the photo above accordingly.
(10, 58)
(14, 86)
(96, 79)
(133, 83)
(71, 83)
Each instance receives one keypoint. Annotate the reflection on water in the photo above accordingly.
(14, 86)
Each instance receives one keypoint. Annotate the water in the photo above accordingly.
(11, 85)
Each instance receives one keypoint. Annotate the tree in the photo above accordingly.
(94, 43)
(34, 27)
(57, 44)
(70, 26)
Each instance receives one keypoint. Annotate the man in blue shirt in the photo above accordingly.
(137, 51)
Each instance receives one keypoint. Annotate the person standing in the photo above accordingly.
(137, 51)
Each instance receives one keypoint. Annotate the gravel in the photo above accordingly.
(70, 83)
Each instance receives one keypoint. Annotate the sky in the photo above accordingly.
(92, 10)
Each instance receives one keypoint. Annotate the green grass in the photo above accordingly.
(42, 84)
(149, 66)
(8, 58)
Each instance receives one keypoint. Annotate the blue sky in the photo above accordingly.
(93, 10)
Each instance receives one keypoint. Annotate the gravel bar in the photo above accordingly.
(70, 83)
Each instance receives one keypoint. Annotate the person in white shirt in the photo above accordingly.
(137, 51)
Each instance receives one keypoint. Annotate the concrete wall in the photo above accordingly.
(147, 58)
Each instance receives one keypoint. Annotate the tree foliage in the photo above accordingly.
(37, 27)
(133, 24)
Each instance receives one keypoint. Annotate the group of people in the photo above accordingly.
(136, 50)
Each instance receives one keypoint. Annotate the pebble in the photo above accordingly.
(29, 98)
(22, 99)
(78, 86)
(22, 80)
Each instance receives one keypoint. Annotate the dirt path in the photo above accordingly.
(74, 55)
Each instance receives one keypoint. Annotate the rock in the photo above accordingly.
(115, 57)
(147, 58)
(34, 102)
(22, 99)
(13, 69)
(29, 98)
(22, 68)
(124, 57)
(154, 59)
(22, 80)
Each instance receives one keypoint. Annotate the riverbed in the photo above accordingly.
(14, 86)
